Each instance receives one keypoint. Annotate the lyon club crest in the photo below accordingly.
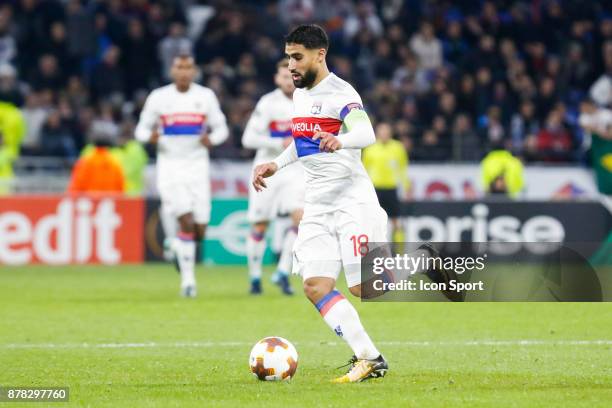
(316, 108)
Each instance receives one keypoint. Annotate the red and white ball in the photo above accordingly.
(273, 359)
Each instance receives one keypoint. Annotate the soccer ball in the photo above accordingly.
(273, 359)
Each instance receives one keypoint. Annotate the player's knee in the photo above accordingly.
(187, 223)
(311, 290)
(260, 227)
(315, 289)
(355, 290)
(296, 216)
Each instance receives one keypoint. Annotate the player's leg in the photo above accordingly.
(262, 208)
(255, 249)
(193, 229)
(200, 235)
(185, 248)
(318, 259)
(291, 201)
(177, 201)
(357, 227)
(285, 262)
(170, 227)
(342, 317)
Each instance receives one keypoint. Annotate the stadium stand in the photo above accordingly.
(454, 78)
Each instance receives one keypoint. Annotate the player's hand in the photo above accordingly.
(154, 137)
(261, 172)
(329, 142)
(205, 141)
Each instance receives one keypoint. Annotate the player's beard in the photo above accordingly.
(306, 80)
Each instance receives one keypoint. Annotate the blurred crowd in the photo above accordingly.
(454, 78)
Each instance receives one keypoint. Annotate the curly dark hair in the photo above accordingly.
(311, 36)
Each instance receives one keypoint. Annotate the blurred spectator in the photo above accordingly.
(81, 38)
(8, 47)
(553, 142)
(524, 123)
(502, 173)
(364, 19)
(294, 12)
(597, 122)
(601, 90)
(410, 72)
(492, 131)
(454, 45)
(104, 124)
(427, 47)
(57, 45)
(429, 148)
(174, 44)
(467, 146)
(493, 54)
(98, 171)
(107, 77)
(56, 139)
(138, 47)
(35, 115)
(10, 89)
(48, 75)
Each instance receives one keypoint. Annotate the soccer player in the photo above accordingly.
(269, 131)
(184, 120)
(341, 211)
(386, 162)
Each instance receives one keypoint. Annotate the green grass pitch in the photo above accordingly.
(121, 337)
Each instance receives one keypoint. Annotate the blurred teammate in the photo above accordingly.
(185, 121)
(386, 162)
(269, 131)
(341, 211)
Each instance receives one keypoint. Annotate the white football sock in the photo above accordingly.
(342, 318)
(285, 262)
(255, 248)
(184, 246)
(170, 226)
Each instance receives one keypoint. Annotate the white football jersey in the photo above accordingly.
(268, 126)
(333, 180)
(181, 118)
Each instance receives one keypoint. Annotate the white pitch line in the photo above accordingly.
(208, 344)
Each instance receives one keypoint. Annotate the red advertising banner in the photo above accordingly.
(60, 230)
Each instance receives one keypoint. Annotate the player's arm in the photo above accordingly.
(257, 134)
(359, 133)
(146, 130)
(288, 156)
(217, 122)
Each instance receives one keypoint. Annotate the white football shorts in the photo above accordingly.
(180, 198)
(329, 242)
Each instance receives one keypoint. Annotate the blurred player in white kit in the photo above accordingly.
(184, 119)
(269, 131)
